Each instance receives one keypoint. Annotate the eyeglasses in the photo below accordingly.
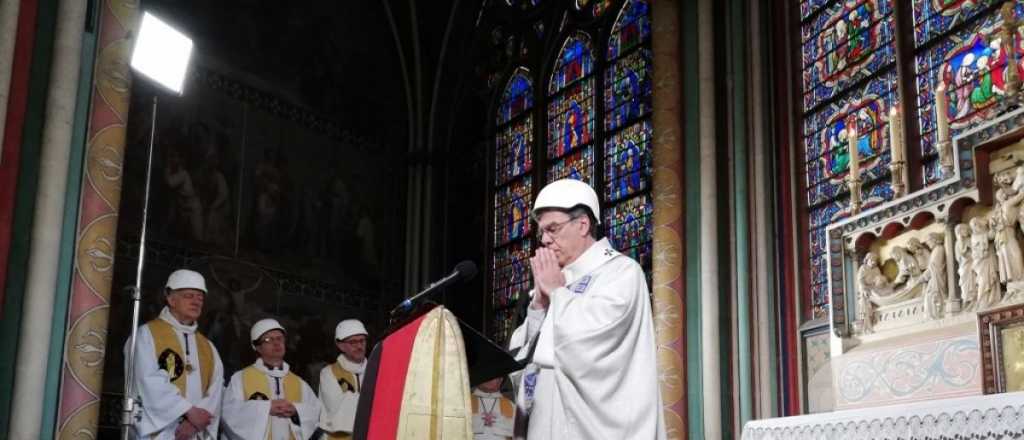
(553, 229)
(360, 341)
(270, 339)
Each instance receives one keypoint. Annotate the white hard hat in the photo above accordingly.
(347, 328)
(186, 279)
(262, 326)
(568, 194)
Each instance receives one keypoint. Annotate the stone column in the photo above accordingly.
(41, 285)
(667, 196)
(711, 362)
(88, 312)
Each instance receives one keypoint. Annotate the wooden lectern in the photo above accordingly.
(418, 379)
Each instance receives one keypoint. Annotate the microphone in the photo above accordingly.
(464, 271)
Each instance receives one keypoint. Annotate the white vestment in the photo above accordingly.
(339, 406)
(162, 403)
(594, 372)
(249, 419)
(489, 406)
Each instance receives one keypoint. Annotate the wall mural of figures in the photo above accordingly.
(236, 180)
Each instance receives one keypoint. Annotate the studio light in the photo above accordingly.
(161, 53)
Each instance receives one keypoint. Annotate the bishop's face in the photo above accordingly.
(271, 347)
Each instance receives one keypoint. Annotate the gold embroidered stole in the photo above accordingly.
(256, 387)
(169, 356)
(348, 383)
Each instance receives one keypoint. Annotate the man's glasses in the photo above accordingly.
(553, 229)
(272, 339)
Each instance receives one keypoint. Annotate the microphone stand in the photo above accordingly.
(131, 409)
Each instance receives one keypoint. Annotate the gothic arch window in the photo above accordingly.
(513, 196)
(593, 118)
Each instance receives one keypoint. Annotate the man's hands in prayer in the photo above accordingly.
(282, 408)
(199, 418)
(547, 276)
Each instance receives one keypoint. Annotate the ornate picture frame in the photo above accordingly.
(1001, 334)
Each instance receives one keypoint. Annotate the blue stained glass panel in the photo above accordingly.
(935, 17)
(627, 163)
(512, 211)
(627, 93)
(817, 241)
(579, 165)
(819, 301)
(571, 118)
(628, 227)
(845, 43)
(632, 27)
(511, 270)
(575, 61)
(518, 96)
(808, 7)
(819, 269)
(972, 63)
(514, 154)
(830, 212)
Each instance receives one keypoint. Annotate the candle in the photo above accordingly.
(941, 117)
(851, 142)
(895, 135)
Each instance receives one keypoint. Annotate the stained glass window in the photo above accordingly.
(627, 89)
(849, 82)
(627, 164)
(578, 165)
(969, 59)
(628, 131)
(594, 120)
(513, 194)
(632, 27)
(571, 118)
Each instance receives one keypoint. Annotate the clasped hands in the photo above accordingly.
(547, 276)
(194, 422)
(282, 408)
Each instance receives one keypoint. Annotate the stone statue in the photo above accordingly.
(1004, 232)
(986, 265)
(919, 251)
(907, 264)
(870, 280)
(965, 265)
(935, 289)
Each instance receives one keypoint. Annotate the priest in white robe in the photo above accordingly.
(266, 401)
(589, 333)
(179, 377)
(341, 382)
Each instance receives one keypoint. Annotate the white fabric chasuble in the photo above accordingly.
(594, 372)
(339, 398)
(162, 403)
(250, 419)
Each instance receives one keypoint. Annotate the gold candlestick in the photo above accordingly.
(1006, 33)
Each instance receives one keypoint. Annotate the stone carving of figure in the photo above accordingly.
(965, 265)
(935, 289)
(870, 280)
(1004, 231)
(920, 253)
(986, 271)
(907, 264)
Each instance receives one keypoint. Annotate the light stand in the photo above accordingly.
(162, 54)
